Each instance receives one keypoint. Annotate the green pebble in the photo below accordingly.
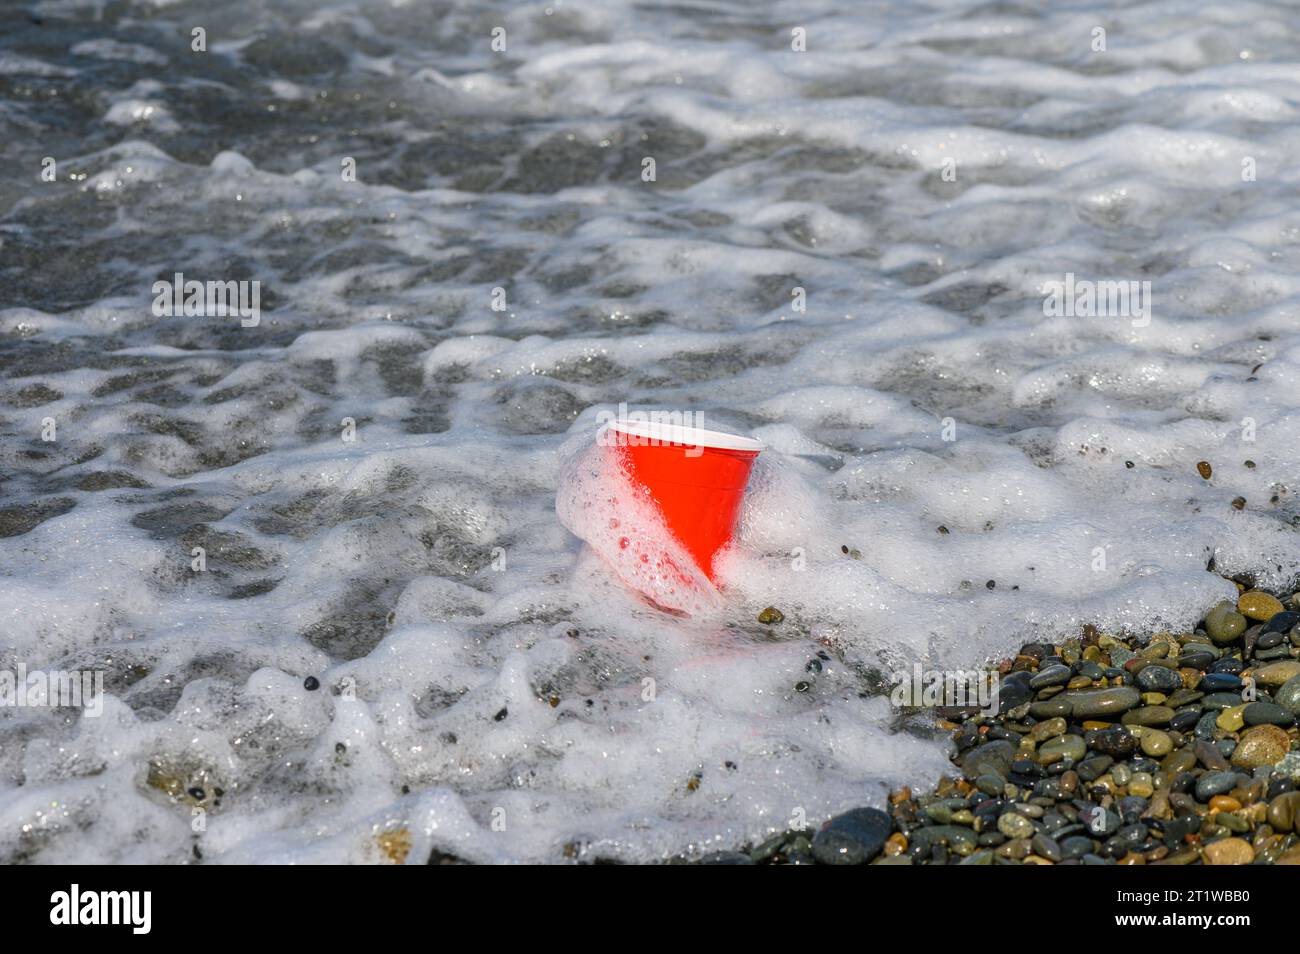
(1070, 747)
(1156, 743)
(1148, 715)
(1224, 624)
(1015, 825)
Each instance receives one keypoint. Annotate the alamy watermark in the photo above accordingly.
(195, 299)
(954, 688)
(76, 688)
(618, 428)
(1084, 298)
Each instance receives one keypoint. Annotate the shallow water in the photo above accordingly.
(922, 171)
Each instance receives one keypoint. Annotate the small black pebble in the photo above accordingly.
(340, 747)
(311, 683)
(943, 530)
(1250, 465)
(844, 548)
(730, 765)
(802, 686)
(1129, 464)
(196, 793)
(500, 715)
(991, 583)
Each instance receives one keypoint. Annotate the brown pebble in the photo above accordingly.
(1258, 605)
(1228, 851)
(1204, 469)
(1238, 503)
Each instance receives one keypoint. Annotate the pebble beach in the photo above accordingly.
(1176, 750)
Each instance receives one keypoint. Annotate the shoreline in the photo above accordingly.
(1170, 749)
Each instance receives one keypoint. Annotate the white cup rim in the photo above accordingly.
(688, 436)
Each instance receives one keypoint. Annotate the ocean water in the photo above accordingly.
(847, 251)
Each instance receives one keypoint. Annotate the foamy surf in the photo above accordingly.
(855, 253)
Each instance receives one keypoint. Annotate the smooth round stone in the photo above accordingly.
(1261, 745)
(1267, 713)
(939, 813)
(1232, 822)
(1116, 742)
(1231, 720)
(1050, 708)
(1198, 661)
(1229, 851)
(1224, 624)
(1046, 847)
(991, 784)
(1148, 715)
(1092, 703)
(1185, 720)
(1015, 825)
(1221, 700)
(1269, 640)
(1256, 605)
(1277, 673)
(1074, 847)
(1288, 696)
(1269, 655)
(1141, 785)
(837, 848)
(1156, 743)
(1284, 812)
(1185, 697)
(1155, 651)
(1229, 664)
(1050, 676)
(1214, 783)
(1048, 729)
(1219, 682)
(1179, 760)
(852, 838)
(1070, 747)
(1159, 679)
(1281, 623)
(1094, 768)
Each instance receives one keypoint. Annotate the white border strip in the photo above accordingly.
(688, 436)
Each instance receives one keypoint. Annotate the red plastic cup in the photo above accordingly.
(697, 477)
